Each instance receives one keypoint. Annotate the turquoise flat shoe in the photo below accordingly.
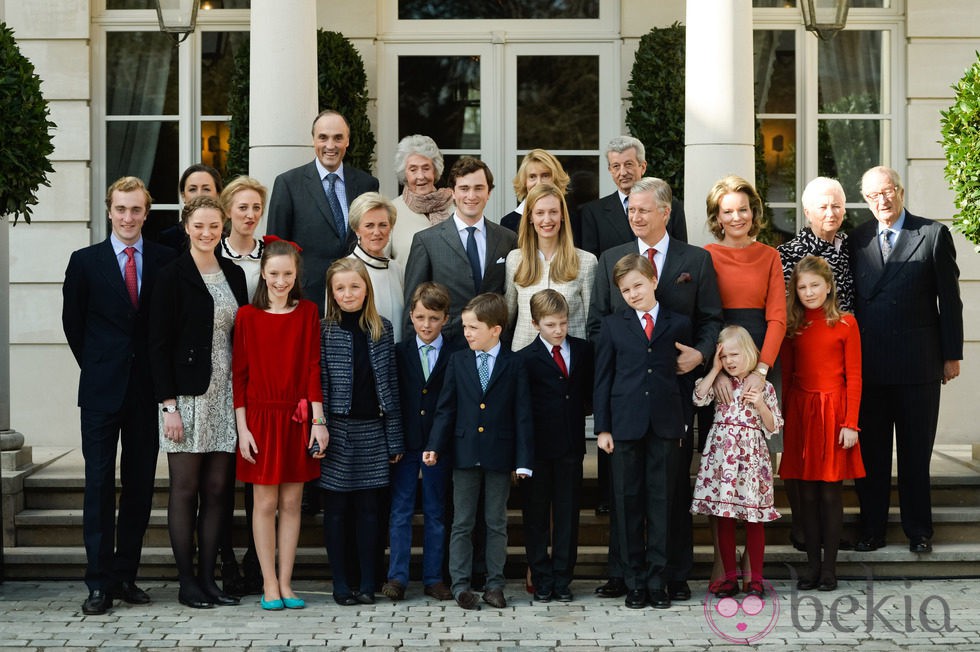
(294, 603)
(272, 605)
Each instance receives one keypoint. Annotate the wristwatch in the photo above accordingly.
(168, 409)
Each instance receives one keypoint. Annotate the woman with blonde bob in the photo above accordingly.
(372, 219)
(545, 258)
(537, 166)
(360, 390)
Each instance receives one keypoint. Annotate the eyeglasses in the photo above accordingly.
(887, 193)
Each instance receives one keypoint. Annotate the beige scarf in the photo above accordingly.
(436, 205)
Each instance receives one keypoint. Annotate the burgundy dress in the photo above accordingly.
(276, 374)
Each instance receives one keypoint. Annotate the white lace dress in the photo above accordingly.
(209, 419)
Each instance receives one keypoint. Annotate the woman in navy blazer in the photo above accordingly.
(192, 314)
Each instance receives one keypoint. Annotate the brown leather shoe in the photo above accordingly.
(393, 589)
(468, 600)
(495, 598)
(439, 591)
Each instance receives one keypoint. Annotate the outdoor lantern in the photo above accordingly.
(824, 17)
(177, 17)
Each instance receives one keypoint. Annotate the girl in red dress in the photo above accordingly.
(279, 412)
(821, 359)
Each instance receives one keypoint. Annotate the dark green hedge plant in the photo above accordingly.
(25, 131)
(341, 85)
(961, 143)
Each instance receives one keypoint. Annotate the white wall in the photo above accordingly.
(943, 38)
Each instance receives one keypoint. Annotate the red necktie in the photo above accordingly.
(560, 361)
(648, 325)
(651, 252)
(132, 284)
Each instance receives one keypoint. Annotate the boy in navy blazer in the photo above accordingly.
(640, 416)
(560, 371)
(422, 361)
(484, 420)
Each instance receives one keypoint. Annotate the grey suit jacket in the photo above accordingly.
(908, 309)
(605, 225)
(688, 286)
(298, 211)
(438, 254)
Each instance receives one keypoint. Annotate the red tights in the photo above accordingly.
(755, 547)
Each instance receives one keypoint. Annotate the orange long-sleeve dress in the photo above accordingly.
(821, 395)
(753, 293)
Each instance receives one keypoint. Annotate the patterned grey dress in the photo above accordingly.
(209, 419)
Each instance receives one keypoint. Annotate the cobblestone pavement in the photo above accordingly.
(883, 615)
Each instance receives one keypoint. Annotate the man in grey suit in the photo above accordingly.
(908, 307)
(465, 253)
(605, 222)
(688, 286)
(310, 203)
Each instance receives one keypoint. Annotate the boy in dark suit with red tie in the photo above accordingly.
(560, 371)
(484, 419)
(640, 414)
(422, 361)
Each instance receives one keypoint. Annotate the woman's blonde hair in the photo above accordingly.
(370, 319)
(743, 343)
(559, 177)
(564, 265)
(795, 310)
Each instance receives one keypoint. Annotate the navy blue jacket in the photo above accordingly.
(419, 396)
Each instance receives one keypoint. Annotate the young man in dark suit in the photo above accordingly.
(560, 371)
(641, 414)
(466, 253)
(422, 362)
(484, 421)
(688, 286)
(309, 204)
(907, 303)
(107, 293)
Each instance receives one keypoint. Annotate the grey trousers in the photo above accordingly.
(466, 494)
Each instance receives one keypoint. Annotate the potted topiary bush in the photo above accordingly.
(961, 143)
(24, 131)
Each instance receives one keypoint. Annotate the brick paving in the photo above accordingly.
(881, 615)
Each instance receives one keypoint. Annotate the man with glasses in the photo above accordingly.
(907, 304)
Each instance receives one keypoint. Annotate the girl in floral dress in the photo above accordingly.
(735, 479)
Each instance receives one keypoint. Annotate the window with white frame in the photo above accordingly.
(826, 108)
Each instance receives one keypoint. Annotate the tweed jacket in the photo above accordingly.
(336, 372)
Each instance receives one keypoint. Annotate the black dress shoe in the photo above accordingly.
(869, 544)
(614, 588)
(98, 603)
(129, 592)
(920, 544)
(222, 599)
(806, 584)
(345, 599)
(797, 544)
(193, 597)
(563, 594)
(366, 597)
(636, 599)
(679, 590)
(659, 599)
(828, 584)
(543, 596)
(602, 509)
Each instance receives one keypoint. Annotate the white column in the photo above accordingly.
(283, 95)
(719, 104)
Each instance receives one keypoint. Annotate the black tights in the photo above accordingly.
(823, 518)
(363, 505)
(195, 476)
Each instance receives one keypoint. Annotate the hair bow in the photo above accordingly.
(274, 238)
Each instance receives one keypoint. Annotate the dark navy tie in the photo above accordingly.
(338, 212)
(474, 255)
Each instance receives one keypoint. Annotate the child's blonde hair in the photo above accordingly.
(370, 321)
(743, 342)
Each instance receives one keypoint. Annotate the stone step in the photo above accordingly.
(947, 559)
(63, 527)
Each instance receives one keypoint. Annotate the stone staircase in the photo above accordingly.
(46, 537)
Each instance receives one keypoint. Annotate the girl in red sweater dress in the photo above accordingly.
(279, 412)
(821, 359)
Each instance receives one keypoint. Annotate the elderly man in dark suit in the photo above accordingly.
(605, 222)
(688, 286)
(309, 204)
(107, 292)
(908, 307)
(466, 253)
